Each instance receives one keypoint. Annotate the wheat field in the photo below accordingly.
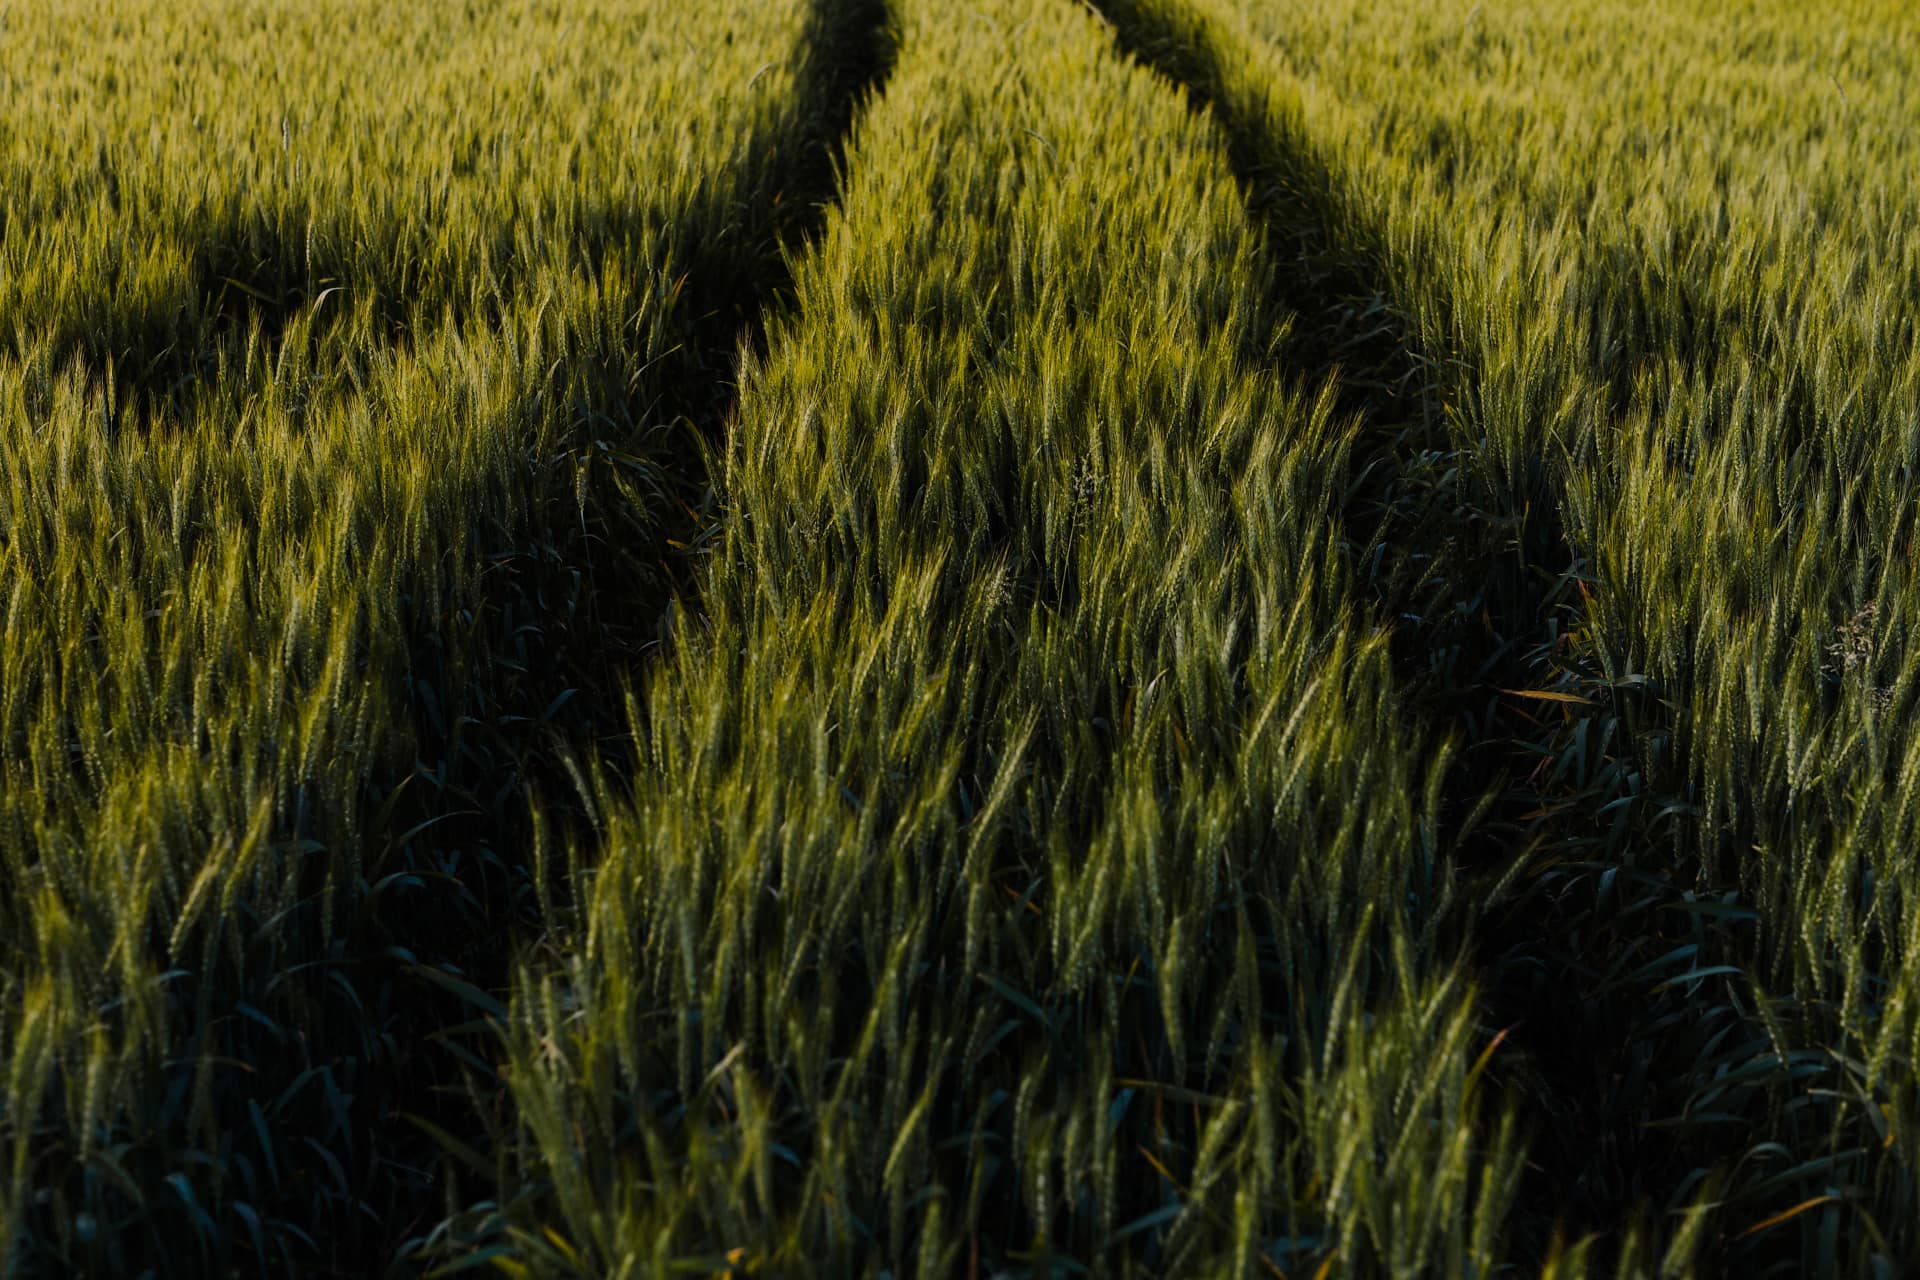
(1016, 638)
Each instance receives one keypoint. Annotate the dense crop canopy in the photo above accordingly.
(1191, 637)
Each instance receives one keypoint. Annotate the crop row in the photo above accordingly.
(1029, 864)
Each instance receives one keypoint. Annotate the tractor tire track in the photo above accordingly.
(1477, 578)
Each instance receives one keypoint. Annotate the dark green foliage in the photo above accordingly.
(1258, 637)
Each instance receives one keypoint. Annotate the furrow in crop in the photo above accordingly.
(1486, 580)
(573, 598)
(1468, 565)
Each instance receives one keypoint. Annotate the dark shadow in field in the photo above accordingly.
(577, 600)
(575, 604)
(1477, 580)
(352, 1062)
